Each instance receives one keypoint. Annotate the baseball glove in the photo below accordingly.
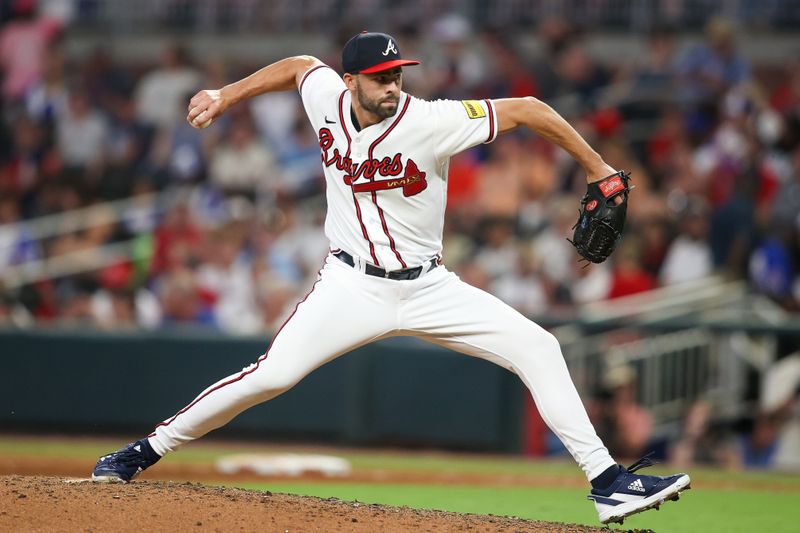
(601, 220)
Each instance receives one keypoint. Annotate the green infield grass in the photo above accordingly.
(720, 500)
(699, 510)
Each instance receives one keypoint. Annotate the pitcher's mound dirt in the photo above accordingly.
(63, 504)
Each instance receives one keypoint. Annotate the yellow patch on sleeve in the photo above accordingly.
(474, 108)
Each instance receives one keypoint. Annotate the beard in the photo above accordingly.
(375, 106)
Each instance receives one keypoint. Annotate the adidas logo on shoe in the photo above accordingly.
(637, 486)
(633, 493)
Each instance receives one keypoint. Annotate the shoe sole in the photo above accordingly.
(107, 479)
(671, 493)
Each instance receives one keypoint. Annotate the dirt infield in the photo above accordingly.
(172, 471)
(38, 503)
(26, 465)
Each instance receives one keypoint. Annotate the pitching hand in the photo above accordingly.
(204, 107)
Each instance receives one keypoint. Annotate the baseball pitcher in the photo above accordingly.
(385, 156)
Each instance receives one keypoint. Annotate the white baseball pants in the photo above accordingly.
(437, 307)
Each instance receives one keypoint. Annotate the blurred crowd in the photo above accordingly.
(712, 143)
(766, 436)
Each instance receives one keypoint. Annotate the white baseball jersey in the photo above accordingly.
(387, 184)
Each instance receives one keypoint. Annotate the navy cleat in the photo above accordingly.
(125, 464)
(632, 493)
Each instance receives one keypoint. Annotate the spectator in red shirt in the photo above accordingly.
(177, 241)
(629, 275)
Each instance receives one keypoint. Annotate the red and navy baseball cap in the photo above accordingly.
(367, 53)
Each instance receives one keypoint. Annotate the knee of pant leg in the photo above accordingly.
(270, 382)
(535, 352)
(535, 337)
(534, 345)
(550, 344)
(544, 346)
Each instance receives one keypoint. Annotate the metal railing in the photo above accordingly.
(46, 228)
(71, 263)
(674, 369)
(704, 294)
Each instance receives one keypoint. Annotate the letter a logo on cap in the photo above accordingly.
(390, 48)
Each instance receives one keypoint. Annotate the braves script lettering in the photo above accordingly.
(413, 181)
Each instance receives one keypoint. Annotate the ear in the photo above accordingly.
(349, 81)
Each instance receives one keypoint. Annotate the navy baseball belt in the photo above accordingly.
(372, 270)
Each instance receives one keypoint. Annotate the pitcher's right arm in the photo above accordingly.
(282, 75)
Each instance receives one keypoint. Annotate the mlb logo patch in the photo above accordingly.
(474, 108)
